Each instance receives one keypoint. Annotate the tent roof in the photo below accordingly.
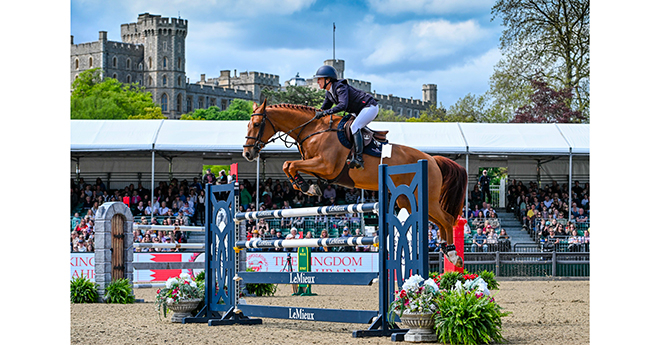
(434, 137)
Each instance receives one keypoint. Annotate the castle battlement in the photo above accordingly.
(218, 91)
(401, 100)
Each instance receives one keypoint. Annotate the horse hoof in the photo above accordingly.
(455, 259)
(314, 190)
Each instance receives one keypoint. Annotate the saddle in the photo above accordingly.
(367, 134)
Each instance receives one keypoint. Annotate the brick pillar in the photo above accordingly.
(103, 244)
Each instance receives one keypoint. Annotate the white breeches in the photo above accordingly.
(365, 116)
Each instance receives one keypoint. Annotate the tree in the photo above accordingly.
(548, 106)
(470, 108)
(296, 95)
(550, 38)
(96, 98)
(386, 115)
(238, 110)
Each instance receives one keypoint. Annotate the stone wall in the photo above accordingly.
(103, 244)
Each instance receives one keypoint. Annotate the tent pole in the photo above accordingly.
(467, 188)
(153, 167)
(570, 182)
(257, 198)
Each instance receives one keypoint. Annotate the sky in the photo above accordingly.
(396, 45)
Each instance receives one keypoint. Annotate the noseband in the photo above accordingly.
(258, 143)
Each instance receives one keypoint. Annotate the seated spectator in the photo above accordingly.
(352, 196)
(262, 226)
(582, 217)
(493, 220)
(551, 241)
(574, 242)
(487, 228)
(504, 241)
(345, 234)
(491, 241)
(75, 220)
(479, 242)
(328, 193)
(478, 222)
(139, 209)
(162, 211)
(324, 234)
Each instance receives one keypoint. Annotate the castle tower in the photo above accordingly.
(164, 41)
(430, 94)
(338, 65)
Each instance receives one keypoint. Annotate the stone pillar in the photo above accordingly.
(103, 244)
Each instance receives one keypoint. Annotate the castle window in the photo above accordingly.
(150, 62)
(189, 104)
(128, 79)
(164, 80)
(200, 103)
(416, 113)
(77, 63)
(114, 62)
(91, 62)
(150, 81)
(178, 81)
(223, 104)
(128, 64)
(140, 66)
(409, 112)
(178, 63)
(178, 103)
(212, 102)
(165, 62)
(163, 102)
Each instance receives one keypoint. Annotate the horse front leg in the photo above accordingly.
(312, 166)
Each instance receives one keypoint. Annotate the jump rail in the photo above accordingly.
(308, 211)
(169, 227)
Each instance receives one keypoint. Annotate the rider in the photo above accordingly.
(351, 100)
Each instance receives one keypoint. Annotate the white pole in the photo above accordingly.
(153, 183)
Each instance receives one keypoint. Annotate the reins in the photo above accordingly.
(259, 143)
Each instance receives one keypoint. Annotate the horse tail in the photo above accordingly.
(454, 186)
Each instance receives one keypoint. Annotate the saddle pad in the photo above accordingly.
(373, 149)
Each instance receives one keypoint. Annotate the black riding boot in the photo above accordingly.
(357, 161)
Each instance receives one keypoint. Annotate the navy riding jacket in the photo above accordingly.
(346, 98)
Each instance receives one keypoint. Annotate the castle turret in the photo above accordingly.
(430, 94)
(338, 65)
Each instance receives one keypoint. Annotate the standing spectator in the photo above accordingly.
(222, 176)
(475, 195)
(245, 196)
(433, 244)
(209, 177)
(75, 220)
(484, 183)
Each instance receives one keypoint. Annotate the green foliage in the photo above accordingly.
(386, 115)
(96, 98)
(296, 95)
(238, 110)
(489, 277)
(119, 291)
(468, 318)
(178, 289)
(260, 289)
(151, 113)
(449, 279)
(200, 278)
(83, 290)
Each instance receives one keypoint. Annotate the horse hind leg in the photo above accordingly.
(445, 223)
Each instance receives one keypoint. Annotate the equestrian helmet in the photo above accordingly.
(326, 71)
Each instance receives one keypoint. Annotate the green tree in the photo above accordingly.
(96, 98)
(238, 110)
(386, 115)
(550, 38)
(296, 95)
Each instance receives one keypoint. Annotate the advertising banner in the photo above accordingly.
(82, 264)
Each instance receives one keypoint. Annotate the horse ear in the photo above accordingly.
(254, 106)
(265, 102)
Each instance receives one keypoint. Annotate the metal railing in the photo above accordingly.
(522, 264)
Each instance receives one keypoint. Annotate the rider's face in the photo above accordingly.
(322, 84)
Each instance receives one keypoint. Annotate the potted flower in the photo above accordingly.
(181, 295)
(415, 305)
(468, 314)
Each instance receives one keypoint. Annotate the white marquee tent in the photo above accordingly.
(125, 151)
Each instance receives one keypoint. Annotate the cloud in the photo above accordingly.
(215, 8)
(395, 7)
(420, 40)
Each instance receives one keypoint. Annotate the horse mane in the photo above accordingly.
(300, 107)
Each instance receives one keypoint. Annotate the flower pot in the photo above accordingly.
(182, 309)
(420, 327)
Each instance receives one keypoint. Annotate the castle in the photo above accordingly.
(152, 54)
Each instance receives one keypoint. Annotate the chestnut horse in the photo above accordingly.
(324, 156)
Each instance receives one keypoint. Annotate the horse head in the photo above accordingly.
(260, 130)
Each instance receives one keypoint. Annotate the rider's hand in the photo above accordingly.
(320, 114)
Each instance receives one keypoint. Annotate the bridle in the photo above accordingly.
(259, 143)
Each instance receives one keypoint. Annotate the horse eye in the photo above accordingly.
(258, 124)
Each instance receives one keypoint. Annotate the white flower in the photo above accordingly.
(431, 284)
(412, 282)
(193, 284)
(170, 282)
(170, 300)
(458, 286)
(184, 276)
